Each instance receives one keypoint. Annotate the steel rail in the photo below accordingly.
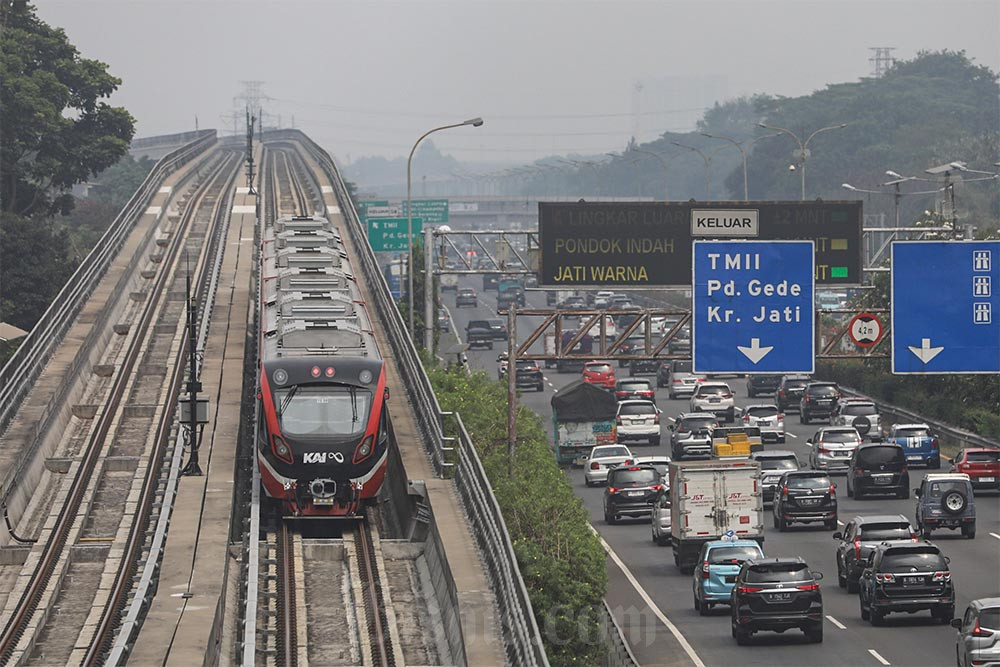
(287, 622)
(371, 591)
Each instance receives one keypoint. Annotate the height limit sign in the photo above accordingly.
(753, 307)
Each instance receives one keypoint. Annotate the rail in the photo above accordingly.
(619, 654)
(22, 370)
(518, 626)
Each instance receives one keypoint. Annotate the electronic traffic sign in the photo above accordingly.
(648, 244)
(945, 307)
(752, 308)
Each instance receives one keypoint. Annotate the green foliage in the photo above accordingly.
(57, 131)
(560, 558)
(35, 262)
(117, 183)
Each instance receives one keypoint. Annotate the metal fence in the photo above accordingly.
(453, 456)
(618, 652)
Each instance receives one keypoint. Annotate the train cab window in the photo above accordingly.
(323, 411)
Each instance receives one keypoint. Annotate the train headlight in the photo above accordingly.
(364, 449)
(280, 376)
(365, 376)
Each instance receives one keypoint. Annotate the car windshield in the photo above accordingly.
(907, 560)
(989, 619)
(885, 531)
(599, 368)
(859, 409)
(840, 436)
(634, 477)
(939, 489)
(636, 409)
(778, 572)
(682, 366)
(322, 411)
(795, 384)
(713, 389)
(778, 463)
(696, 423)
(633, 386)
(912, 433)
(808, 482)
(606, 452)
(496, 323)
(732, 555)
(983, 457)
(529, 364)
(823, 390)
(466, 291)
(877, 455)
(762, 411)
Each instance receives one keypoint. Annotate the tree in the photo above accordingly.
(35, 262)
(56, 129)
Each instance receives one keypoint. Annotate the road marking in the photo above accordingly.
(878, 657)
(791, 435)
(840, 523)
(836, 622)
(995, 535)
(649, 601)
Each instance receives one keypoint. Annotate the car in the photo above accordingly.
(681, 342)
(859, 537)
(638, 420)
(660, 520)
(627, 388)
(804, 496)
(945, 500)
(831, 448)
(978, 640)
(528, 375)
(498, 327)
(601, 459)
(620, 302)
(466, 296)
(572, 303)
(776, 594)
(678, 376)
(762, 384)
(714, 580)
(662, 465)
(767, 418)
(818, 400)
(773, 464)
(906, 576)
(982, 465)
(691, 434)
(478, 333)
(631, 492)
(714, 397)
(860, 413)
(444, 321)
(790, 391)
(631, 345)
(878, 468)
(920, 445)
(599, 373)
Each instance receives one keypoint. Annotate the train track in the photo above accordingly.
(74, 583)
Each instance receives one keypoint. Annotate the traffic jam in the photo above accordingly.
(780, 505)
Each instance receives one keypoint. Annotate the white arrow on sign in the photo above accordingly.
(755, 352)
(925, 352)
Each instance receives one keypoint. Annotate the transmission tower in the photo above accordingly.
(881, 59)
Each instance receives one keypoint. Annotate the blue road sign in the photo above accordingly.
(753, 307)
(945, 307)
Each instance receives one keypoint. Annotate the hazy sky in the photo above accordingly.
(367, 78)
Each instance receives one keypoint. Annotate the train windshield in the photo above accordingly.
(323, 411)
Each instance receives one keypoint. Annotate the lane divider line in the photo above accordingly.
(995, 535)
(878, 657)
(681, 639)
(836, 622)
(839, 523)
(791, 435)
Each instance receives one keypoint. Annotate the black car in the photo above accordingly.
(805, 496)
(773, 464)
(906, 576)
(627, 388)
(818, 400)
(633, 345)
(499, 328)
(762, 384)
(478, 333)
(466, 296)
(777, 594)
(860, 537)
(631, 491)
(878, 468)
(528, 375)
(790, 391)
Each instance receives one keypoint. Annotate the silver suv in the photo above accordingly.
(714, 397)
(691, 434)
(831, 448)
(860, 413)
(978, 641)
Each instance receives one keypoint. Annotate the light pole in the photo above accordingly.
(743, 155)
(474, 122)
(803, 146)
(666, 166)
(708, 165)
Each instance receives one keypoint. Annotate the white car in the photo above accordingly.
(638, 420)
(714, 397)
(602, 458)
(860, 413)
(767, 418)
(660, 519)
(609, 327)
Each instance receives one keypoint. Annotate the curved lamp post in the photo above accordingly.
(743, 155)
(803, 146)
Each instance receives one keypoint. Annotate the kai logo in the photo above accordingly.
(320, 457)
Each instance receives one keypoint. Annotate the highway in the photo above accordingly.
(912, 640)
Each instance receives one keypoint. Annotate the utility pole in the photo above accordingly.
(511, 386)
(250, 174)
(193, 385)
(429, 290)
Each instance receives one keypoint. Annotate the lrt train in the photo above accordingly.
(323, 429)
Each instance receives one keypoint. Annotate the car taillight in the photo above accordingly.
(618, 420)
(748, 589)
(677, 381)
(941, 576)
(746, 418)
(621, 393)
(784, 492)
(979, 632)
(704, 569)
(808, 400)
(934, 443)
(781, 418)
(860, 471)
(833, 490)
(364, 449)
(629, 462)
(657, 487)
(823, 450)
(281, 449)
(646, 393)
(612, 489)
(857, 550)
(656, 419)
(727, 395)
(781, 392)
(808, 587)
(885, 578)
(700, 380)
(595, 466)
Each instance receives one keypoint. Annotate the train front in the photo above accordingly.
(323, 436)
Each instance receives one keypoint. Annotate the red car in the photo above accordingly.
(982, 465)
(599, 373)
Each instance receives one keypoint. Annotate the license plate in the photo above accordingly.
(883, 480)
(808, 502)
(779, 597)
(824, 401)
(730, 578)
(987, 479)
(715, 400)
(633, 494)
(913, 580)
(638, 422)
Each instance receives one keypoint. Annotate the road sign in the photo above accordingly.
(389, 234)
(865, 330)
(648, 244)
(945, 307)
(431, 211)
(366, 204)
(753, 307)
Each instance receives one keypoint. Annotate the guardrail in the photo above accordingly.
(20, 372)
(619, 654)
(518, 626)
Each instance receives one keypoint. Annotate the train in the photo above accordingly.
(322, 432)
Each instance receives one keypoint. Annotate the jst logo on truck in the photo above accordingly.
(738, 495)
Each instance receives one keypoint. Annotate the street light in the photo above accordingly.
(708, 165)
(743, 154)
(474, 122)
(666, 166)
(803, 146)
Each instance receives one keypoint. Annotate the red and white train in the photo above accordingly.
(323, 428)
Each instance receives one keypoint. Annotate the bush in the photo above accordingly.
(560, 558)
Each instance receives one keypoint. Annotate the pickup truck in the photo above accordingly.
(478, 333)
(919, 446)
